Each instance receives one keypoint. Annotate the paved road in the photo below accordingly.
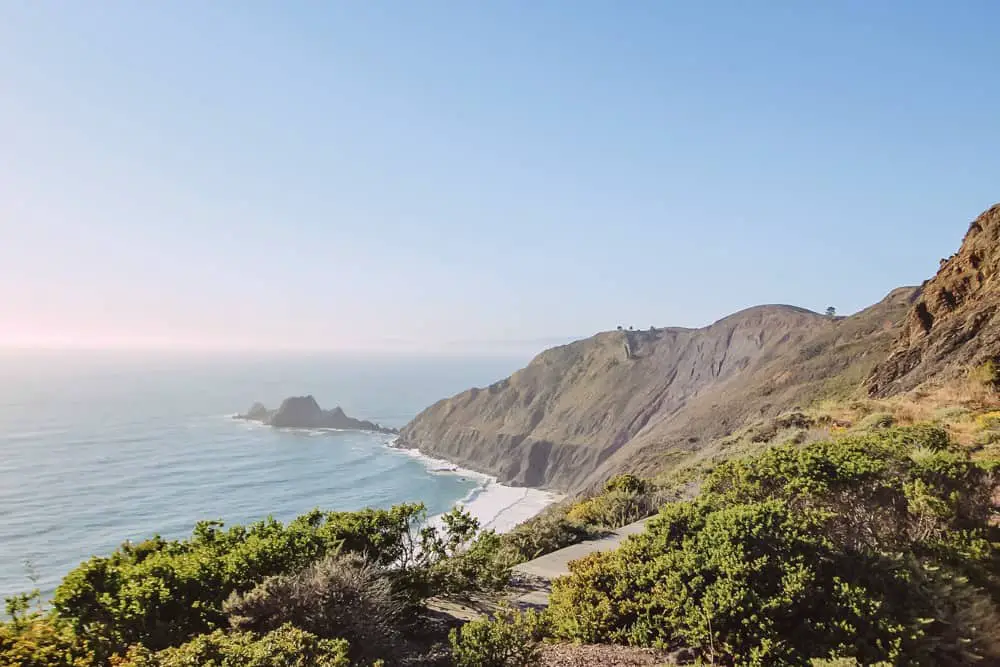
(532, 579)
(556, 564)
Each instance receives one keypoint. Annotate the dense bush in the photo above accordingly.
(877, 420)
(874, 548)
(337, 597)
(988, 421)
(898, 489)
(624, 500)
(986, 375)
(482, 566)
(285, 647)
(544, 534)
(160, 593)
(33, 639)
(613, 509)
(627, 483)
(510, 639)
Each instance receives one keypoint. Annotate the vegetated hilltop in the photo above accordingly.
(954, 324)
(645, 401)
(581, 412)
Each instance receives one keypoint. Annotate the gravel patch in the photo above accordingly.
(573, 655)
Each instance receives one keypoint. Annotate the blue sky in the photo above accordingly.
(404, 175)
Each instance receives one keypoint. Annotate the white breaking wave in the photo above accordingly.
(497, 506)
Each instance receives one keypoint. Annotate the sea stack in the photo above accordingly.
(305, 412)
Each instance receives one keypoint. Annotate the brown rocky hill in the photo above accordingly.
(954, 325)
(581, 412)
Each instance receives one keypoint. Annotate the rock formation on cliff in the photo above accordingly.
(304, 412)
(954, 325)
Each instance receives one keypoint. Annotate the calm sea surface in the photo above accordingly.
(96, 448)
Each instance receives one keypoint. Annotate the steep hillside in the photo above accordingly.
(646, 401)
(630, 400)
(955, 324)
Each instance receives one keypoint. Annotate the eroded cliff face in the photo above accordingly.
(635, 401)
(581, 412)
(954, 325)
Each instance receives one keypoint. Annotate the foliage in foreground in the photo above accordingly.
(331, 574)
(545, 533)
(874, 548)
(159, 593)
(33, 639)
(510, 639)
(286, 646)
(337, 597)
(623, 500)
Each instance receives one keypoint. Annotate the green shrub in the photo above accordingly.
(903, 487)
(988, 421)
(952, 413)
(875, 547)
(627, 483)
(731, 582)
(613, 509)
(986, 438)
(876, 420)
(285, 647)
(763, 433)
(337, 597)
(455, 557)
(31, 638)
(481, 567)
(510, 639)
(796, 438)
(624, 500)
(986, 375)
(159, 593)
(543, 534)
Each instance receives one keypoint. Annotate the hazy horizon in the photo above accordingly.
(440, 177)
(500, 349)
(377, 347)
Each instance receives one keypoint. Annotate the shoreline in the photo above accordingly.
(497, 506)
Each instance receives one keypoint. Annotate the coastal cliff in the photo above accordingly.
(627, 400)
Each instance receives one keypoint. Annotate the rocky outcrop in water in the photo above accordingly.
(305, 412)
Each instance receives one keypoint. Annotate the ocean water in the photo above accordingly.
(100, 447)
